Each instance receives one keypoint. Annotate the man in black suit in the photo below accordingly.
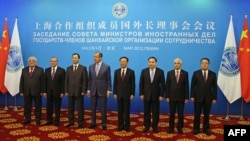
(124, 91)
(152, 87)
(177, 94)
(32, 88)
(203, 94)
(99, 88)
(76, 81)
(54, 90)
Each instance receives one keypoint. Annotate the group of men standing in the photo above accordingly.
(76, 81)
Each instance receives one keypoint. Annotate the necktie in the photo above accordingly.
(205, 76)
(97, 69)
(152, 75)
(123, 75)
(53, 73)
(75, 67)
(177, 76)
(31, 71)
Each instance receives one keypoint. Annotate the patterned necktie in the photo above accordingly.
(53, 73)
(75, 67)
(97, 69)
(123, 75)
(152, 75)
(177, 76)
(31, 71)
(205, 76)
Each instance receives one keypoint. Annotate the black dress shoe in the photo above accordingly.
(119, 129)
(26, 122)
(104, 127)
(92, 126)
(155, 130)
(57, 123)
(38, 123)
(69, 125)
(127, 130)
(196, 131)
(180, 131)
(145, 130)
(207, 132)
(170, 130)
(47, 123)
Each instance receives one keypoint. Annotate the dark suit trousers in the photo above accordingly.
(102, 103)
(53, 103)
(80, 107)
(28, 107)
(179, 106)
(148, 105)
(123, 113)
(198, 107)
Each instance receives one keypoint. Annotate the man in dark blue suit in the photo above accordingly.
(124, 91)
(177, 94)
(152, 87)
(99, 88)
(203, 94)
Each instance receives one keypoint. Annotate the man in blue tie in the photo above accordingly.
(152, 85)
(99, 88)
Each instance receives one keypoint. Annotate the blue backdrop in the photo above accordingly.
(137, 29)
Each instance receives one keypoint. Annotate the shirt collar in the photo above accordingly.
(54, 68)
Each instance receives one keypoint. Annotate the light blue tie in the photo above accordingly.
(97, 68)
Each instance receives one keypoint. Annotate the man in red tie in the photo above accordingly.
(177, 94)
(124, 91)
(76, 82)
(32, 88)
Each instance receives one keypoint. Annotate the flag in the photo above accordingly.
(14, 63)
(244, 61)
(4, 51)
(229, 73)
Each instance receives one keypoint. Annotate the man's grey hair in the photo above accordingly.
(178, 59)
(32, 58)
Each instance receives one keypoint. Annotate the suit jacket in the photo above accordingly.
(177, 91)
(57, 84)
(156, 88)
(201, 90)
(34, 84)
(101, 83)
(125, 88)
(76, 82)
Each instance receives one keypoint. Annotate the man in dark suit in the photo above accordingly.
(177, 94)
(54, 90)
(99, 88)
(124, 91)
(203, 94)
(76, 82)
(32, 88)
(152, 87)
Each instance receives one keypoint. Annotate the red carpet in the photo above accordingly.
(12, 128)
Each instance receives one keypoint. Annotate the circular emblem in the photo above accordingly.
(229, 65)
(120, 10)
(15, 61)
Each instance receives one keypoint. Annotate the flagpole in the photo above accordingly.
(241, 110)
(6, 102)
(227, 117)
(15, 108)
